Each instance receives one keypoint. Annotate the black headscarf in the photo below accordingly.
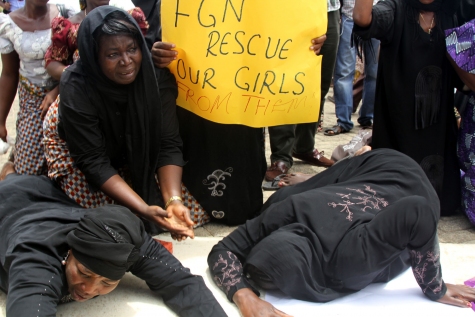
(107, 241)
(142, 101)
(449, 6)
(433, 7)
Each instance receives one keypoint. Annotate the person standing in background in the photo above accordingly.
(345, 74)
(298, 141)
(11, 5)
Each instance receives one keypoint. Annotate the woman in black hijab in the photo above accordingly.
(117, 117)
(364, 220)
(414, 103)
(53, 251)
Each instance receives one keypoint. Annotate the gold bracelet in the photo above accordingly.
(173, 198)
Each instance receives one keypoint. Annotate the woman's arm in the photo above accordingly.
(176, 219)
(55, 69)
(48, 100)
(362, 13)
(9, 83)
(169, 178)
(186, 294)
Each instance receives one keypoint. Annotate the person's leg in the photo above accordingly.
(29, 156)
(369, 89)
(61, 166)
(305, 132)
(344, 75)
(367, 250)
(281, 139)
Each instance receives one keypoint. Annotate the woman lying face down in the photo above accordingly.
(365, 220)
(53, 252)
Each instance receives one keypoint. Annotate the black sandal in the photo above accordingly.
(273, 184)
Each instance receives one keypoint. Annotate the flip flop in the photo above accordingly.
(273, 184)
(335, 130)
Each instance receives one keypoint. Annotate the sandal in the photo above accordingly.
(273, 184)
(335, 130)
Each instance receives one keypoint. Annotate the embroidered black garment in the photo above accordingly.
(35, 219)
(356, 223)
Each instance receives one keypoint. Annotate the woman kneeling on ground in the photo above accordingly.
(116, 134)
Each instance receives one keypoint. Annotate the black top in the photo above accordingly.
(321, 212)
(35, 218)
(151, 9)
(106, 125)
(466, 11)
(414, 108)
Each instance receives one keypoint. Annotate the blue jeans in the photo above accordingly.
(345, 73)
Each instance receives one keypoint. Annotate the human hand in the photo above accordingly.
(48, 100)
(175, 220)
(163, 54)
(7, 6)
(250, 305)
(317, 44)
(182, 215)
(458, 295)
(363, 150)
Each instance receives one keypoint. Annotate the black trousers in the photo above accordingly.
(300, 138)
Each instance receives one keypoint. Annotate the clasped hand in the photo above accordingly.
(175, 219)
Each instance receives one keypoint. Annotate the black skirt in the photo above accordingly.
(225, 167)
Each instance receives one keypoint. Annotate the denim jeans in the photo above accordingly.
(345, 73)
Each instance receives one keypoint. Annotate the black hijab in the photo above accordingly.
(141, 99)
(433, 7)
(449, 6)
(107, 241)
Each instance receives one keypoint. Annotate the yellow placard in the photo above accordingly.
(247, 62)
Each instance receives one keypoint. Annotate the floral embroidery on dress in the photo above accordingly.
(231, 272)
(215, 181)
(426, 269)
(367, 199)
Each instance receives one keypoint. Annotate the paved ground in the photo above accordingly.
(456, 229)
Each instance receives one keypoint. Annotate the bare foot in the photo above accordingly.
(293, 179)
(7, 168)
(364, 149)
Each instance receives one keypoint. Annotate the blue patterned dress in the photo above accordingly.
(461, 47)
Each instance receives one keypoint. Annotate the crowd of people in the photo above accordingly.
(104, 158)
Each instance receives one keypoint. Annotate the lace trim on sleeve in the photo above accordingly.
(6, 35)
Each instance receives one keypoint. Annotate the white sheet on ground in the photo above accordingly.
(400, 297)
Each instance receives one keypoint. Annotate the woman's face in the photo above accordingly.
(120, 58)
(84, 284)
